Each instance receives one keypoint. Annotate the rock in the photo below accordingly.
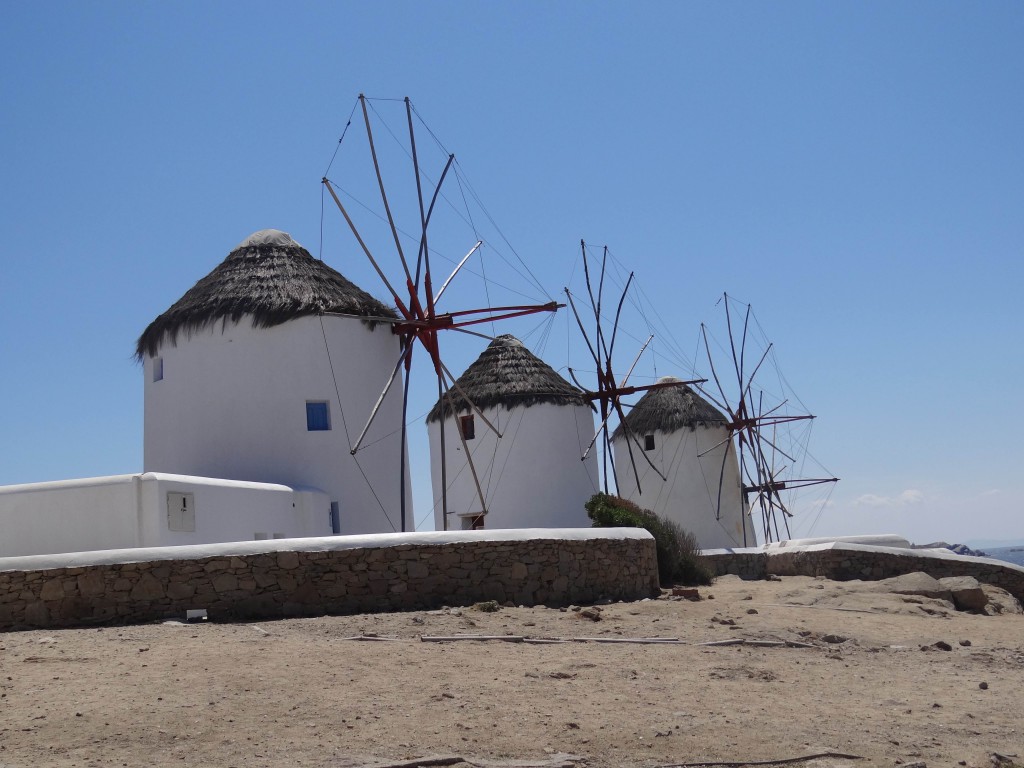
(1002, 761)
(179, 591)
(91, 583)
(983, 685)
(687, 592)
(751, 611)
(225, 582)
(147, 588)
(417, 570)
(487, 606)
(36, 614)
(835, 639)
(965, 643)
(593, 613)
(918, 583)
(1000, 601)
(942, 645)
(52, 590)
(287, 561)
(966, 591)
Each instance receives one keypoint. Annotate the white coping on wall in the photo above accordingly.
(936, 554)
(88, 482)
(877, 540)
(822, 545)
(312, 544)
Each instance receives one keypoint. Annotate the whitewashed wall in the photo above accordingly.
(69, 516)
(126, 511)
(232, 404)
(690, 495)
(227, 510)
(532, 477)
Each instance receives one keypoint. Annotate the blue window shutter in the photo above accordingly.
(317, 417)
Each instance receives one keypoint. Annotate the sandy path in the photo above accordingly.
(296, 693)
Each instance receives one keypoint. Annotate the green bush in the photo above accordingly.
(678, 553)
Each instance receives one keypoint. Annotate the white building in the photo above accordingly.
(257, 382)
(152, 510)
(266, 371)
(686, 438)
(531, 477)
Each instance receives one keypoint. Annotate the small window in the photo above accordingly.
(158, 369)
(335, 518)
(648, 442)
(181, 512)
(318, 416)
(467, 426)
(472, 522)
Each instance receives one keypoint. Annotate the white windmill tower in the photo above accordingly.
(521, 468)
(699, 485)
(250, 376)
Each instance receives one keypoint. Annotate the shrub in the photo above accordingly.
(678, 553)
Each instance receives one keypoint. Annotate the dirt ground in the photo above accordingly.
(299, 693)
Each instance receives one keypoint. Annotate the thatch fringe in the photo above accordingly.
(508, 374)
(670, 410)
(269, 277)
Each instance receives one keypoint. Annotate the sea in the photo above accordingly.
(1014, 554)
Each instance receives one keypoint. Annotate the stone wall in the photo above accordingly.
(750, 565)
(847, 563)
(352, 580)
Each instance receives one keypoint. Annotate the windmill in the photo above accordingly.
(758, 423)
(609, 391)
(421, 323)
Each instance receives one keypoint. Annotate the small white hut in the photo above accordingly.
(531, 477)
(266, 370)
(686, 438)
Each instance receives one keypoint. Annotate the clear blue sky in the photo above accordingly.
(854, 170)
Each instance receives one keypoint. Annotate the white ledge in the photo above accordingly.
(312, 544)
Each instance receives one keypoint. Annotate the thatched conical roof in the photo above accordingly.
(268, 276)
(508, 374)
(669, 410)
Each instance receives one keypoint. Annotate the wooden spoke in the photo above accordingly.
(722, 403)
(428, 288)
(456, 270)
(631, 435)
(618, 314)
(419, 193)
(406, 353)
(637, 360)
(394, 294)
(579, 322)
(383, 194)
(469, 456)
(472, 405)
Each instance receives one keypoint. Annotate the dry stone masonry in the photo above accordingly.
(353, 580)
(848, 563)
